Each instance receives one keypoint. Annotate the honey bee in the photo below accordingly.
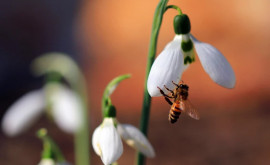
(180, 103)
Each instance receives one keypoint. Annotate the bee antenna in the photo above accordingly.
(181, 81)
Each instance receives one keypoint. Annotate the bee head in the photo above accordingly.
(183, 86)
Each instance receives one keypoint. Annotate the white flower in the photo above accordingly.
(65, 108)
(46, 162)
(167, 67)
(107, 144)
(173, 60)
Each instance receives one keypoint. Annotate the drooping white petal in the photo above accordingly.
(23, 113)
(136, 139)
(66, 109)
(63, 163)
(107, 142)
(215, 64)
(167, 67)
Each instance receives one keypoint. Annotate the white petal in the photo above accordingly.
(107, 142)
(167, 67)
(136, 139)
(23, 113)
(46, 162)
(63, 163)
(95, 141)
(67, 109)
(215, 64)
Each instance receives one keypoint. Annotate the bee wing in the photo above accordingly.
(189, 109)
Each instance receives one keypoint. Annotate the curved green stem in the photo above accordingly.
(174, 7)
(106, 100)
(158, 16)
(50, 148)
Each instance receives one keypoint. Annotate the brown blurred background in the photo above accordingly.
(112, 38)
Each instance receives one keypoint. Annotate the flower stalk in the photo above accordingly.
(50, 149)
(158, 16)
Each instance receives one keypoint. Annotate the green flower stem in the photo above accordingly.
(174, 7)
(52, 63)
(106, 100)
(161, 8)
(50, 149)
(82, 136)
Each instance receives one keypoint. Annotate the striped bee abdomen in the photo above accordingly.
(175, 112)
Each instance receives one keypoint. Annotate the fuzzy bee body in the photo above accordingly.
(180, 103)
(175, 112)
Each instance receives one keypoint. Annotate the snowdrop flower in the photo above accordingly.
(107, 142)
(106, 138)
(47, 162)
(65, 109)
(179, 53)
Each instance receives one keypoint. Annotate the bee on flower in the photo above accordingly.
(179, 53)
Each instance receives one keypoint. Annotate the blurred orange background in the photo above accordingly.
(113, 39)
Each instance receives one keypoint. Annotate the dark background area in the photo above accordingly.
(110, 38)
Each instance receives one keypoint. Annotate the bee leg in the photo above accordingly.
(169, 90)
(176, 84)
(166, 96)
(162, 92)
(168, 100)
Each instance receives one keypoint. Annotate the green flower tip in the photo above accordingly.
(187, 45)
(182, 24)
(188, 60)
(110, 111)
(42, 132)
